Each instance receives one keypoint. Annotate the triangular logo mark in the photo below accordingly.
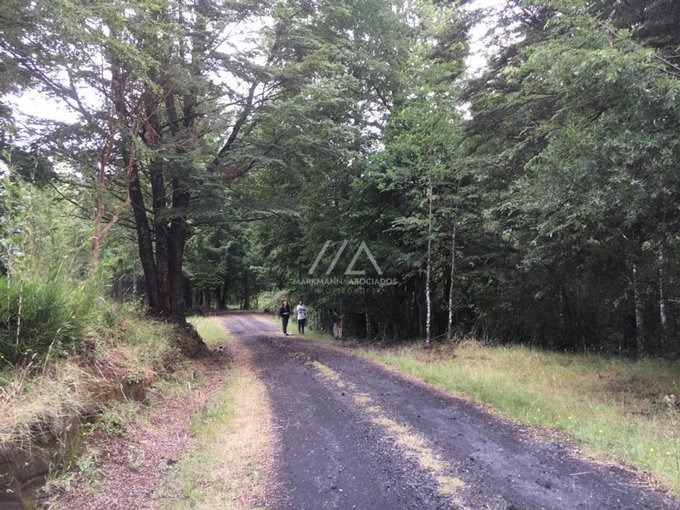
(362, 249)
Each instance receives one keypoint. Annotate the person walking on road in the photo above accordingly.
(301, 317)
(284, 313)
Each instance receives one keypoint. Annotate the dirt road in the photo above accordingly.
(352, 435)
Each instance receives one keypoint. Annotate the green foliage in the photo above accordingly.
(11, 212)
(572, 133)
(89, 465)
(270, 301)
(41, 319)
(539, 197)
(110, 421)
(45, 308)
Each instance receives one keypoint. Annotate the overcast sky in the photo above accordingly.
(480, 47)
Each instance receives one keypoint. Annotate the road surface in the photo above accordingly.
(354, 435)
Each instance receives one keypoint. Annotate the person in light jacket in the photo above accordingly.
(301, 317)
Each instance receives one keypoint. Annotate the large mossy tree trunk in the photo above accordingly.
(161, 252)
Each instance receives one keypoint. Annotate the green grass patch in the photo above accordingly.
(186, 486)
(210, 329)
(227, 467)
(313, 334)
(620, 409)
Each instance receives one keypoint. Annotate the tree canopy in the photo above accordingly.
(226, 153)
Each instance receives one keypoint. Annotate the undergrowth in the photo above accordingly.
(41, 319)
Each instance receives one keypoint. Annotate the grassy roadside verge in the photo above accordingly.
(228, 465)
(616, 408)
(46, 409)
(122, 354)
(209, 329)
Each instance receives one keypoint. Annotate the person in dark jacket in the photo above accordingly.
(284, 313)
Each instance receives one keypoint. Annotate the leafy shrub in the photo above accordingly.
(110, 422)
(270, 301)
(40, 318)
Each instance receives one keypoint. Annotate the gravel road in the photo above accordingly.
(354, 435)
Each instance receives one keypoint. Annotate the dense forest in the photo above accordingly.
(195, 155)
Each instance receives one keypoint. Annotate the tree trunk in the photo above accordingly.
(639, 313)
(160, 227)
(224, 296)
(246, 290)
(418, 307)
(145, 244)
(176, 241)
(428, 269)
(562, 310)
(449, 328)
(218, 297)
(369, 326)
(663, 310)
